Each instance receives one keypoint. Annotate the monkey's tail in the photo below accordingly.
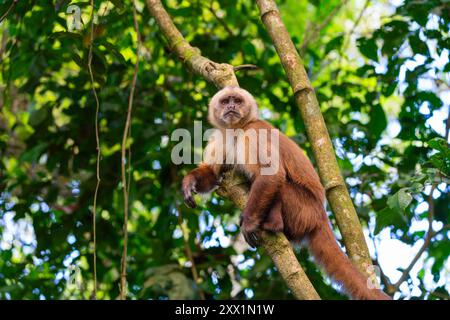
(327, 252)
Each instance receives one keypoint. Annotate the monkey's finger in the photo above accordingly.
(187, 195)
(188, 198)
(190, 202)
(248, 239)
(255, 239)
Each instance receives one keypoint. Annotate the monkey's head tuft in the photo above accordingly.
(232, 107)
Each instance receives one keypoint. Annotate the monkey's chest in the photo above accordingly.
(243, 151)
(242, 154)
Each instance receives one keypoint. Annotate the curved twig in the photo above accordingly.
(11, 6)
(246, 67)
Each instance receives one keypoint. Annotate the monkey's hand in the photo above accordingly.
(189, 189)
(249, 231)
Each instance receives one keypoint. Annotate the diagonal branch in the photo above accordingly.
(11, 6)
(276, 245)
(317, 132)
(316, 31)
(234, 188)
(220, 20)
(220, 74)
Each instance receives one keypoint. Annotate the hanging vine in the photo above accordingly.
(125, 184)
(97, 140)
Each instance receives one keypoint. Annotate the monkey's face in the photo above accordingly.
(232, 107)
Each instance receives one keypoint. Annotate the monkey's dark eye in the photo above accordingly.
(238, 100)
(224, 101)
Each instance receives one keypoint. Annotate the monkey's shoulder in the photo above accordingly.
(259, 124)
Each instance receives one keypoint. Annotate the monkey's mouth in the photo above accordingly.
(232, 113)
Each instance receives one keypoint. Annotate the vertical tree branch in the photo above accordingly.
(277, 246)
(317, 132)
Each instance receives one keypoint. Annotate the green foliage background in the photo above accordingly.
(367, 71)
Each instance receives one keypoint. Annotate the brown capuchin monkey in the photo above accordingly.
(285, 195)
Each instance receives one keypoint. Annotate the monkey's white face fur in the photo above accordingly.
(232, 107)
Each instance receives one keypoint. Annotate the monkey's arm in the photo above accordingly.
(202, 179)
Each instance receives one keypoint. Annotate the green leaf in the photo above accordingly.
(440, 160)
(368, 48)
(378, 121)
(249, 49)
(334, 43)
(118, 4)
(442, 207)
(399, 201)
(447, 67)
(114, 50)
(390, 88)
(418, 46)
(33, 154)
(389, 217)
(438, 144)
(38, 116)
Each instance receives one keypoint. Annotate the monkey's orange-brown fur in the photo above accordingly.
(291, 200)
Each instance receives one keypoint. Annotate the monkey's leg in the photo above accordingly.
(262, 195)
(302, 211)
(274, 220)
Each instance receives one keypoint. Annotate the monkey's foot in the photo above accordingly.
(249, 231)
(274, 225)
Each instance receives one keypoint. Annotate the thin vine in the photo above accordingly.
(125, 137)
(97, 140)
